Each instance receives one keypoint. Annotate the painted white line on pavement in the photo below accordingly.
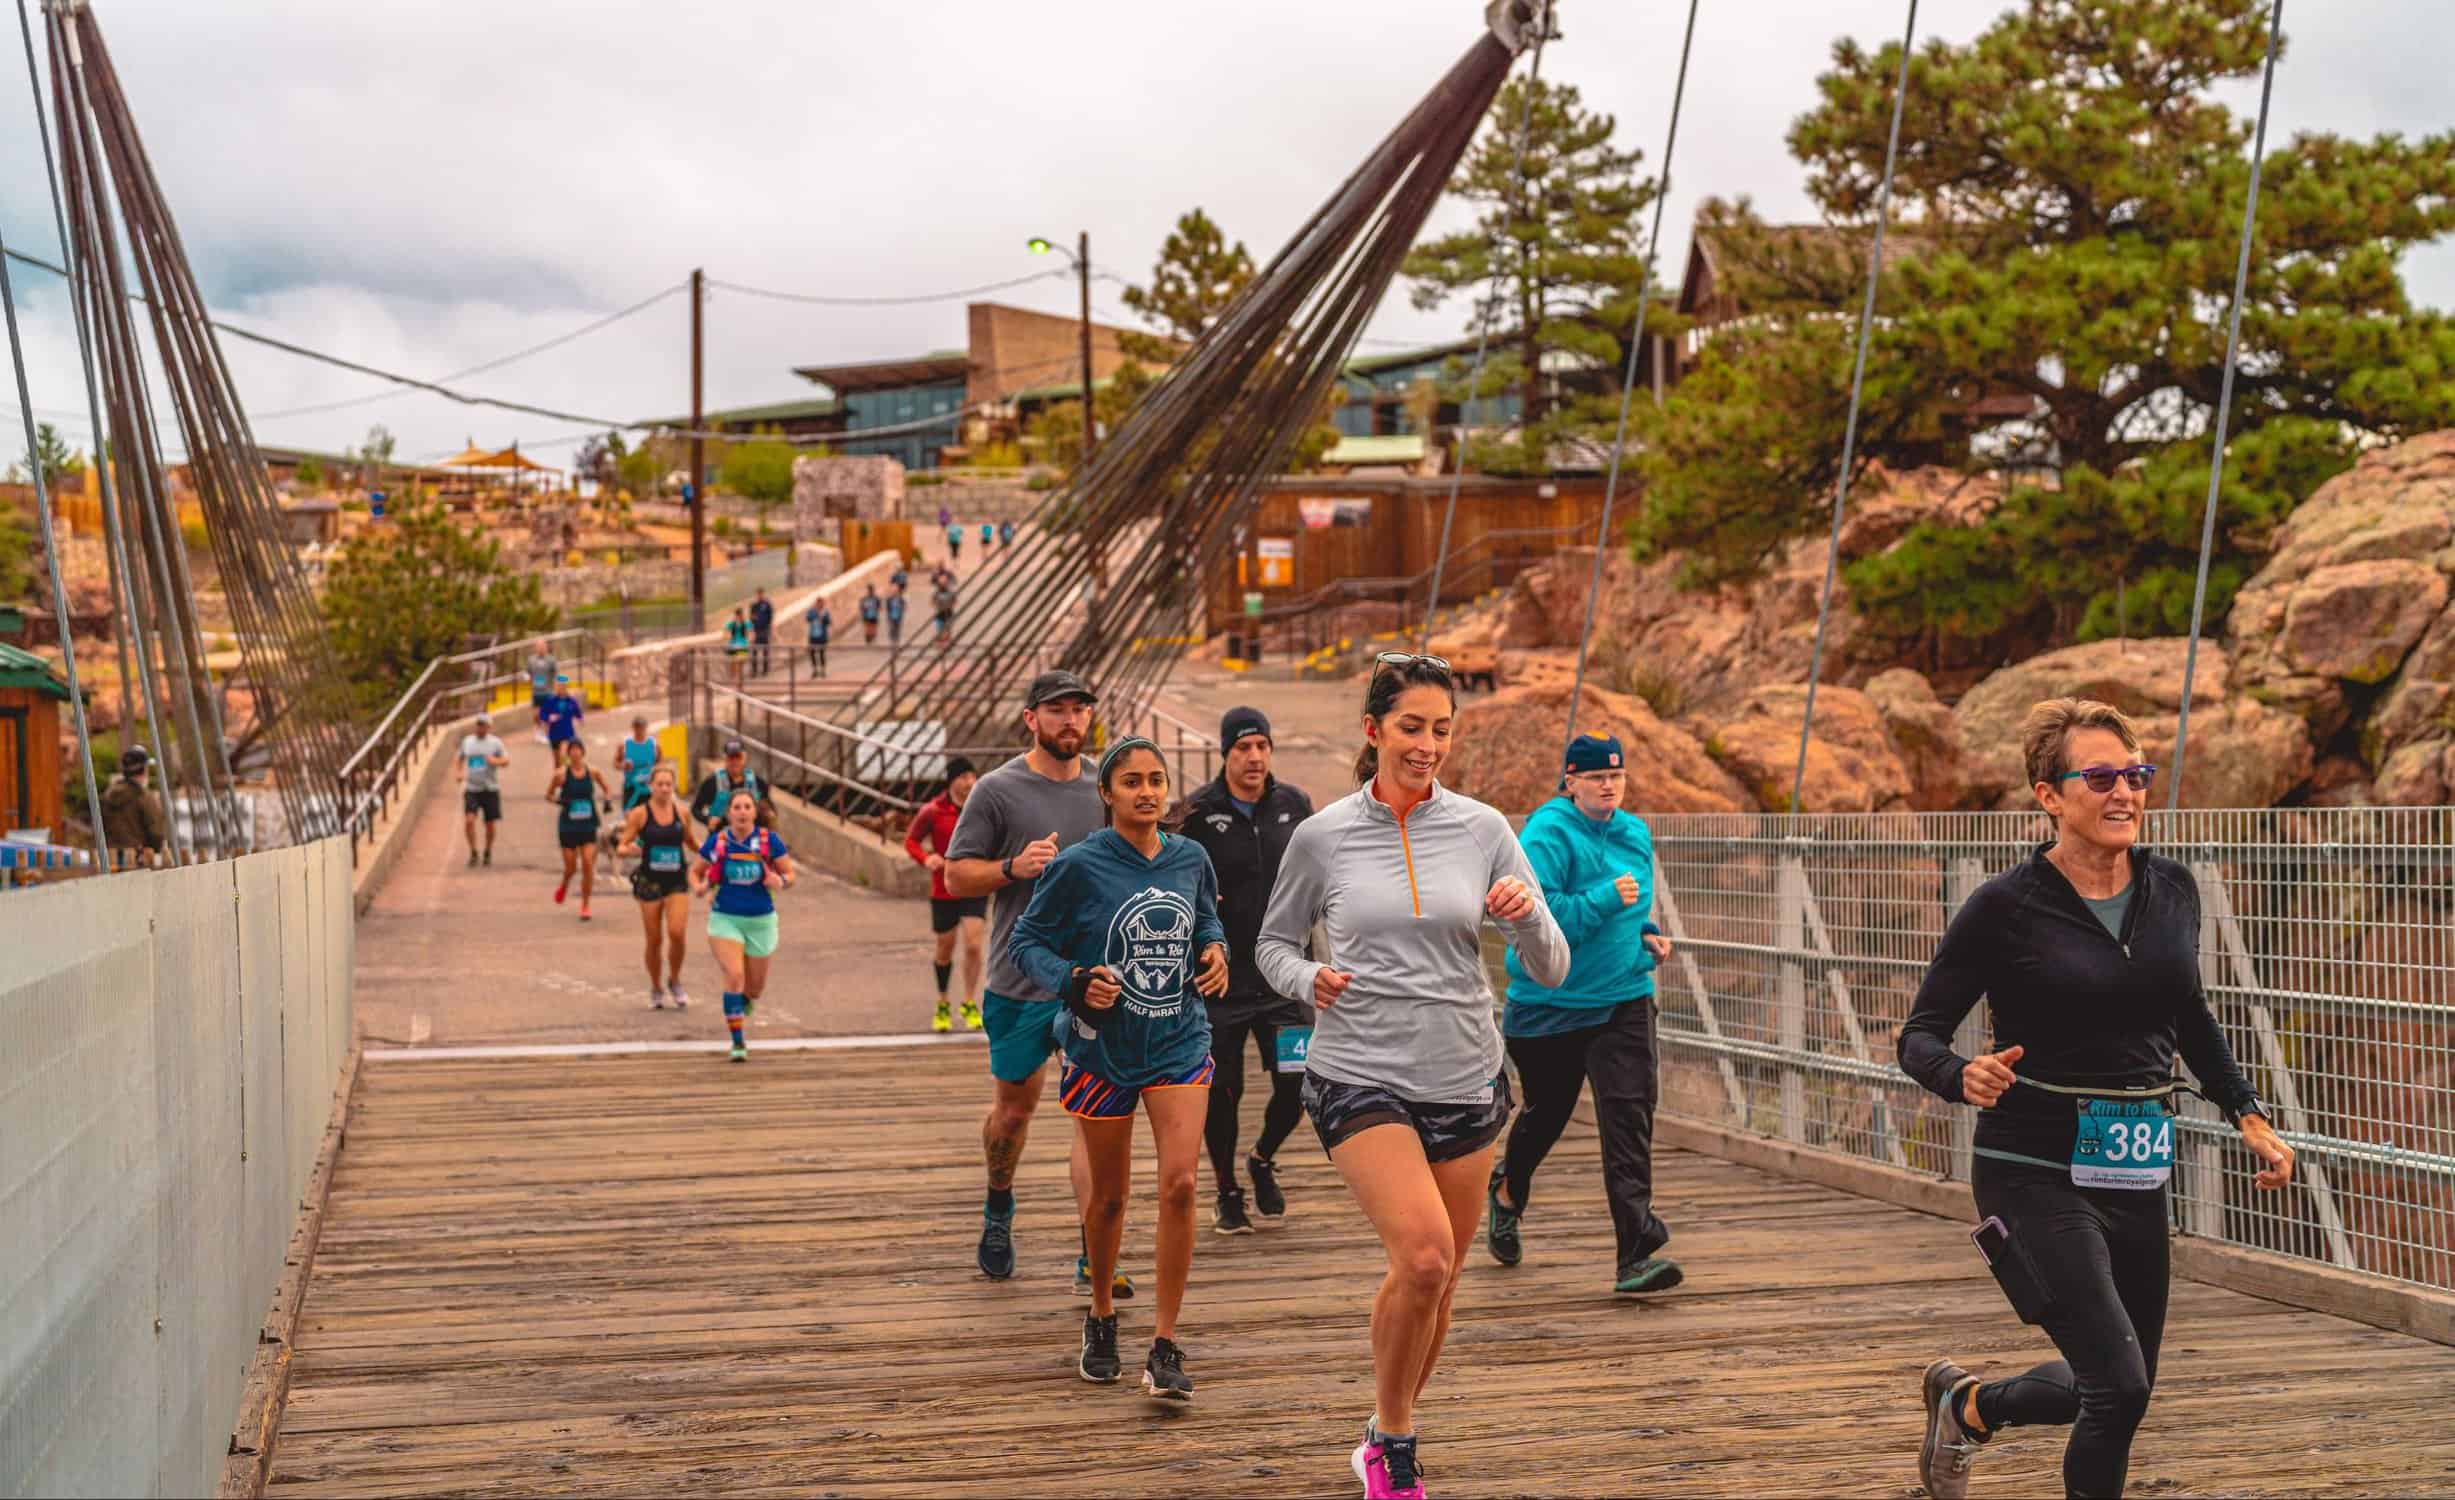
(625, 1049)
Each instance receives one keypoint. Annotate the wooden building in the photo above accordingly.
(1375, 535)
(30, 765)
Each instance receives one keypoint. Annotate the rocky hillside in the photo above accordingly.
(2331, 685)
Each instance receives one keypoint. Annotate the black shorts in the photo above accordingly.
(1448, 1131)
(488, 802)
(578, 835)
(946, 911)
(651, 886)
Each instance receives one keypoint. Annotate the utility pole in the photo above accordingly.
(1082, 271)
(698, 466)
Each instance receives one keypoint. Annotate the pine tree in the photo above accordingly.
(1197, 275)
(417, 587)
(1553, 262)
(2067, 205)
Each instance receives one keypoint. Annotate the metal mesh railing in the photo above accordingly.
(2327, 946)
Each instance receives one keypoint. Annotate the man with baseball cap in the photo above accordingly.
(1015, 821)
(1595, 862)
(132, 819)
(482, 759)
(716, 788)
(1243, 819)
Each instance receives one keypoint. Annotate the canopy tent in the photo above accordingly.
(509, 459)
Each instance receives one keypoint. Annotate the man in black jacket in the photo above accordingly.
(1244, 817)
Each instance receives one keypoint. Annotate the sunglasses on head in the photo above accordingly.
(1405, 659)
(2101, 779)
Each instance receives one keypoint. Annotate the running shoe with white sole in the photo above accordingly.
(1947, 1451)
(1388, 1468)
(740, 1053)
(971, 1016)
(1228, 1215)
(943, 1020)
(1120, 1285)
(996, 1246)
(656, 997)
(1099, 1363)
(1163, 1374)
(675, 993)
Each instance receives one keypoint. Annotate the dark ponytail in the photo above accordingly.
(1389, 680)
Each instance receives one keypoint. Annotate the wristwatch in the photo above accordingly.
(1005, 867)
(2256, 1106)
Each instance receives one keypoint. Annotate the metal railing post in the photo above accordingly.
(1790, 990)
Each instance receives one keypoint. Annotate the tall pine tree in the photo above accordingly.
(1553, 262)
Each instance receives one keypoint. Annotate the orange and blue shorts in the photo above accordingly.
(1088, 1096)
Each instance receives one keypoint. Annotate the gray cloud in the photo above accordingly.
(427, 185)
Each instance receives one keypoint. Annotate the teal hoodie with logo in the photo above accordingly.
(1578, 861)
(1148, 920)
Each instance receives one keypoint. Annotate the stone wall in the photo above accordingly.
(590, 583)
(824, 489)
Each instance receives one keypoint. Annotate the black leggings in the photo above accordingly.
(1617, 1055)
(2102, 1257)
(1227, 1095)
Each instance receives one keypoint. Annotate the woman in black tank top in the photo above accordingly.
(656, 835)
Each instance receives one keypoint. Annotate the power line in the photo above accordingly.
(823, 301)
(493, 364)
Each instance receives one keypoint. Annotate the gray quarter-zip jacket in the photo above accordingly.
(1402, 905)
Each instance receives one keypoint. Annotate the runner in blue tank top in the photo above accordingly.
(743, 866)
(1124, 927)
(634, 758)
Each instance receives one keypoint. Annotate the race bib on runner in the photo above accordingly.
(582, 809)
(2122, 1143)
(664, 857)
(477, 763)
(1295, 1044)
(741, 871)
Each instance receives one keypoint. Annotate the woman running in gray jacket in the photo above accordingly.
(1404, 1082)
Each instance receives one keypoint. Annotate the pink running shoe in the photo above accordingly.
(1387, 1467)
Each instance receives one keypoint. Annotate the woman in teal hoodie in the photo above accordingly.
(1595, 861)
(1125, 926)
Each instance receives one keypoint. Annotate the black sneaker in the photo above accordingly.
(1268, 1201)
(996, 1246)
(1500, 1230)
(1099, 1363)
(1163, 1374)
(489, 857)
(1229, 1216)
(473, 859)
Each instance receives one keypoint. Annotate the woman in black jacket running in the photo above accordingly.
(2088, 955)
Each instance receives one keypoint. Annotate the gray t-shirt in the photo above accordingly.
(1009, 808)
(2110, 911)
(484, 775)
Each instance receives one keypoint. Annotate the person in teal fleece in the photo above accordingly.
(1125, 927)
(1595, 862)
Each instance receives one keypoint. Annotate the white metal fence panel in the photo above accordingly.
(2327, 949)
(156, 1132)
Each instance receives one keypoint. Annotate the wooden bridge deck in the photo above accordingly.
(662, 1274)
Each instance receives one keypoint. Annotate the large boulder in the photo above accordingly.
(1851, 763)
(1927, 737)
(1509, 746)
(2243, 753)
(2358, 579)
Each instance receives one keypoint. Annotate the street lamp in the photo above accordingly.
(1081, 258)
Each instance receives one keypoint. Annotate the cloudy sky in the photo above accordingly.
(427, 185)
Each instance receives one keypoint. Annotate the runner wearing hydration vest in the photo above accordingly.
(742, 866)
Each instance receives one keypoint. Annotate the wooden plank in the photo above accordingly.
(647, 1275)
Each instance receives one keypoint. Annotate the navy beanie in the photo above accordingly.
(1594, 752)
(1236, 723)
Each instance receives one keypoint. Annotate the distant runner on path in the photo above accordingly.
(482, 759)
(742, 866)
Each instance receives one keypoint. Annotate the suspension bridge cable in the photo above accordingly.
(556, 342)
(2224, 404)
(818, 300)
(1628, 389)
(1483, 327)
(1858, 386)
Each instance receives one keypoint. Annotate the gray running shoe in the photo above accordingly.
(1949, 1448)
